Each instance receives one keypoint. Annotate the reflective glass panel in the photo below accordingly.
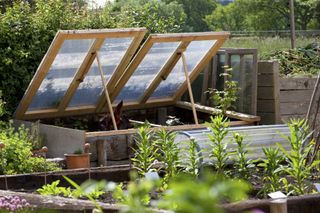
(60, 74)
(151, 64)
(194, 53)
(110, 54)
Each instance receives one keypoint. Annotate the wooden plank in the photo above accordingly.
(195, 72)
(101, 33)
(266, 66)
(90, 109)
(169, 37)
(265, 80)
(266, 117)
(80, 74)
(276, 91)
(120, 69)
(39, 76)
(294, 96)
(266, 93)
(164, 72)
(211, 110)
(266, 106)
(297, 83)
(292, 108)
(169, 128)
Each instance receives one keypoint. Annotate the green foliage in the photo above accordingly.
(242, 164)
(297, 158)
(35, 136)
(271, 170)
(137, 196)
(156, 16)
(146, 149)
(248, 15)
(225, 98)
(193, 158)
(301, 61)
(219, 153)
(196, 12)
(17, 156)
(202, 195)
(169, 152)
(226, 18)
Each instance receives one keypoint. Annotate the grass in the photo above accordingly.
(268, 45)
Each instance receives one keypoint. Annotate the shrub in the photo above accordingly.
(16, 157)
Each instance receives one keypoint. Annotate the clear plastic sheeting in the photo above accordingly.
(60, 74)
(194, 54)
(149, 67)
(110, 55)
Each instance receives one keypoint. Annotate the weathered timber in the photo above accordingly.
(211, 110)
(33, 181)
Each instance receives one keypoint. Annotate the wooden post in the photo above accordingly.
(185, 68)
(278, 206)
(292, 25)
(104, 84)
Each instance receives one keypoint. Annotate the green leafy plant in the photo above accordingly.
(271, 170)
(242, 164)
(17, 155)
(225, 98)
(202, 195)
(137, 196)
(297, 158)
(219, 153)
(54, 189)
(169, 152)
(78, 151)
(193, 158)
(146, 150)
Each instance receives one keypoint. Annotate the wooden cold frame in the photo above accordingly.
(61, 36)
(185, 39)
(121, 74)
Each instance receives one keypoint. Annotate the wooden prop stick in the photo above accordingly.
(104, 85)
(185, 68)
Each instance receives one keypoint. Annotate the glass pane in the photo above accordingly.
(194, 53)
(151, 64)
(60, 74)
(110, 54)
(243, 75)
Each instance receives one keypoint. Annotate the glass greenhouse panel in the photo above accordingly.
(60, 74)
(110, 55)
(193, 54)
(149, 67)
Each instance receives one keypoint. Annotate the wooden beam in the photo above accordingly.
(104, 85)
(81, 73)
(120, 69)
(102, 33)
(168, 128)
(91, 109)
(39, 76)
(185, 69)
(170, 37)
(199, 67)
(211, 110)
(164, 72)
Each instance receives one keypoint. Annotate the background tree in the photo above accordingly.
(196, 12)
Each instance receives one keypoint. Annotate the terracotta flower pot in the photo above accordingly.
(76, 161)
